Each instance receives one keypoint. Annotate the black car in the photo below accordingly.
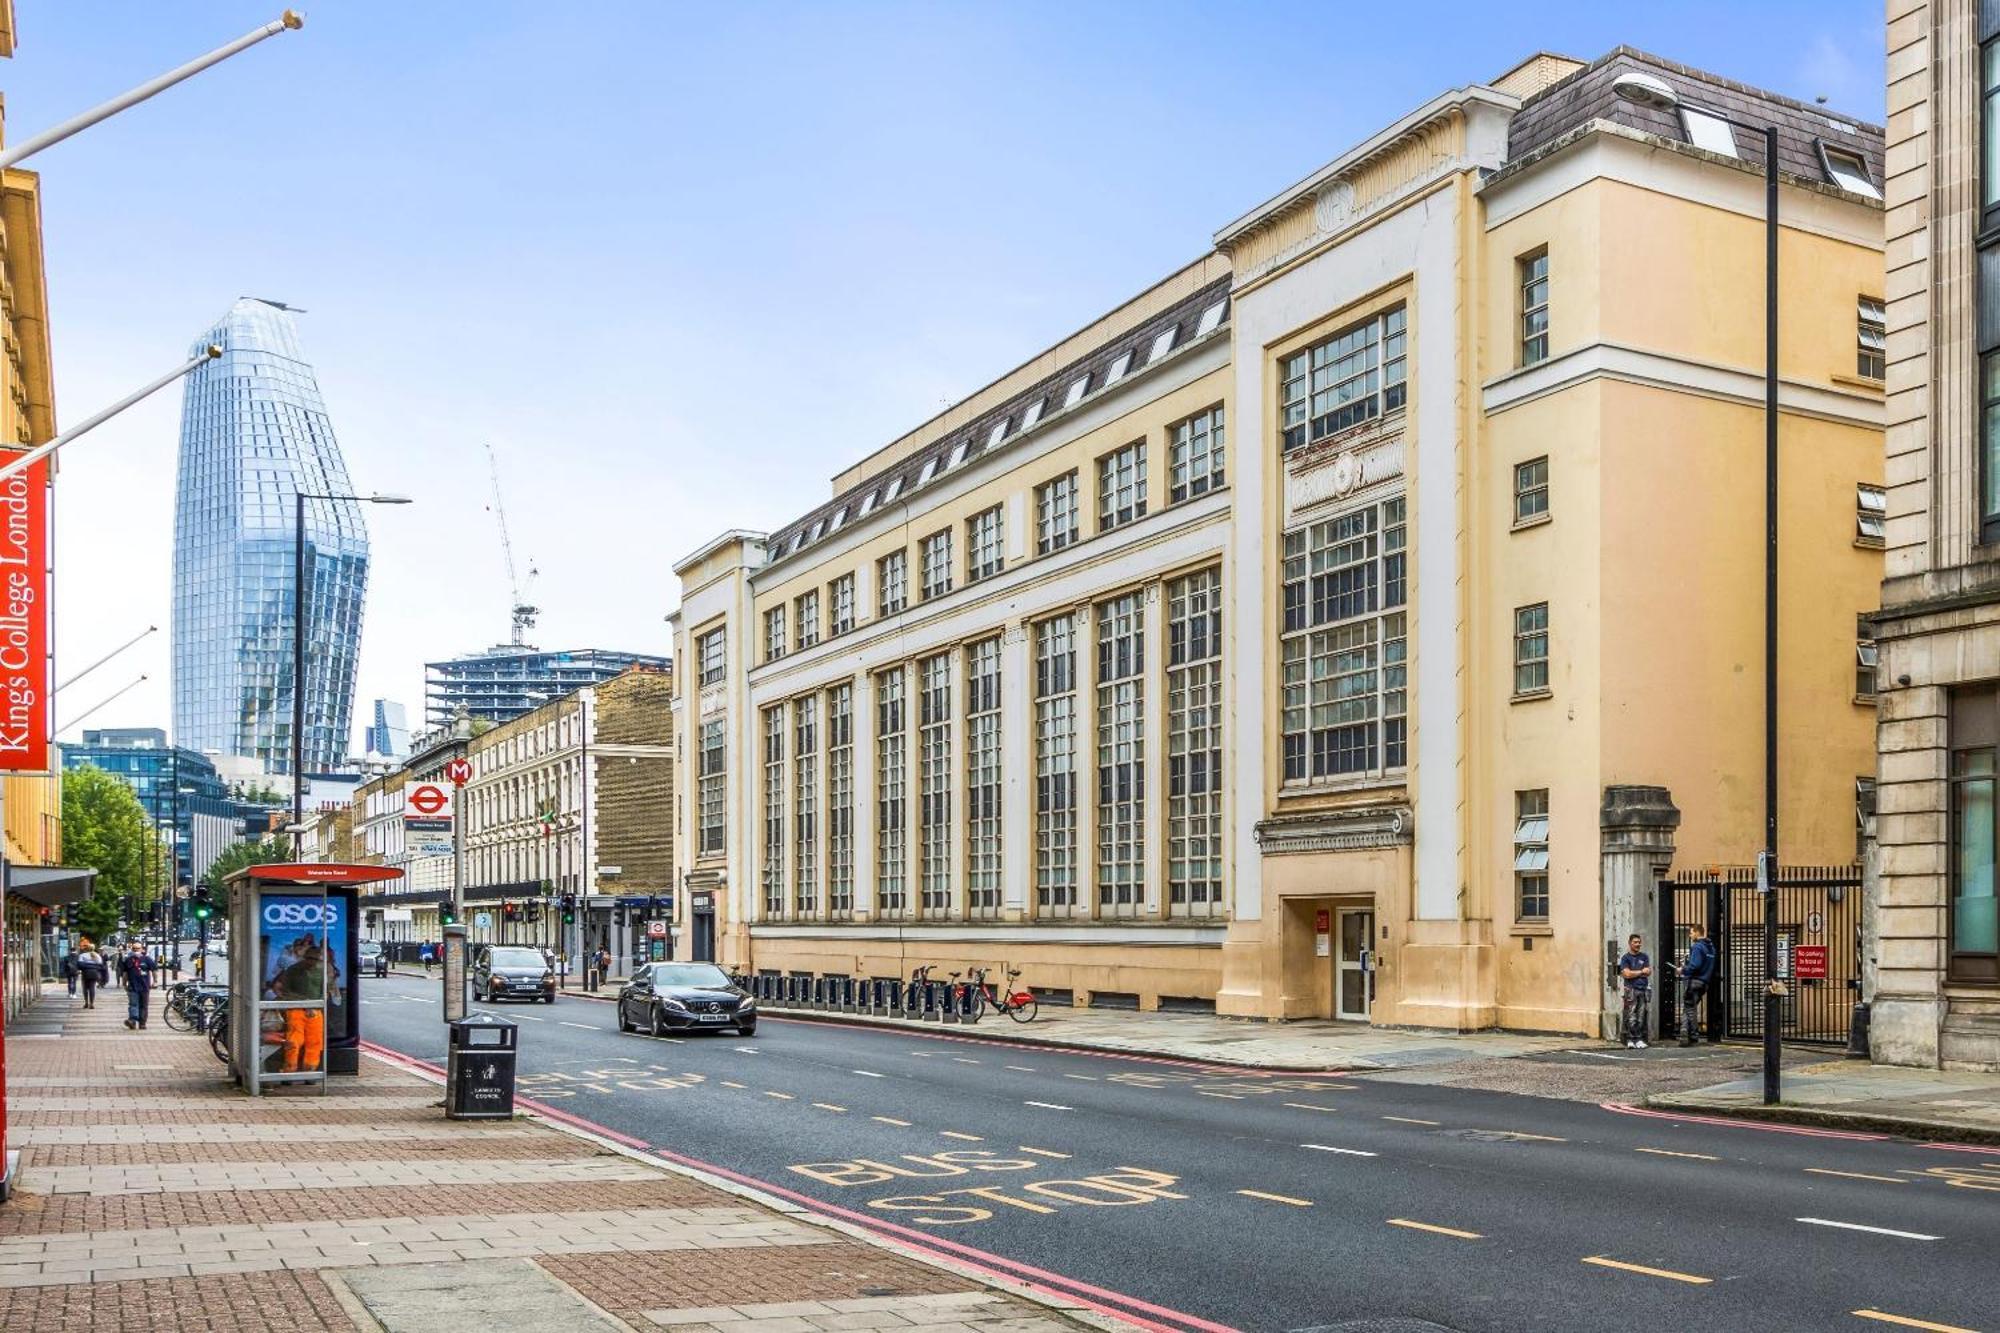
(374, 959)
(673, 997)
(512, 972)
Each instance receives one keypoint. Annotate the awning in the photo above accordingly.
(50, 886)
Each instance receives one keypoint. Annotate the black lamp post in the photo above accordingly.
(1647, 90)
(299, 640)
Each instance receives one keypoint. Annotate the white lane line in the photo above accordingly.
(1082, 1078)
(1875, 1231)
(923, 1055)
(588, 1027)
(964, 1060)
(1046, 1152)
(532, 1019)
(1050, 1106)
(890, 1120)
(866, 1073)
(1021, 1069)
(1351, 1152)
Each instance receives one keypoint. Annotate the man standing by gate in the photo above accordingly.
(1697, 970)
(1636, 970)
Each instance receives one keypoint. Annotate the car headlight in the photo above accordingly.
(547, 977)
(746, 1005)
(672, 1003)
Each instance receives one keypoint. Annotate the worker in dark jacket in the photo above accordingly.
(1697, 970)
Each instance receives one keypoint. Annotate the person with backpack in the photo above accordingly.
(135, 970)
(90, 970)
(69, 970)
(1697, 970)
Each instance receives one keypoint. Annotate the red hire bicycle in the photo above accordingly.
(1018, 1005)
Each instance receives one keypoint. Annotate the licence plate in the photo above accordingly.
(712, 1018)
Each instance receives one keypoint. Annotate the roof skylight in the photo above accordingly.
(1710, 132)
(1211, 318)
(1848, 171)
(1119, 367)
(1163, 344)
(1076, 391)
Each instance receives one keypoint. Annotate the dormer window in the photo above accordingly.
(1163, 344)
(1849, 171)
(997, 434)
(1034, 413)
(1710, 132)
(1211, 318)
(1118, 368)
(1076, 391)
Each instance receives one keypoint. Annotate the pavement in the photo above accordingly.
(1197, 1197)
(1854, 1094)
(155, 1196)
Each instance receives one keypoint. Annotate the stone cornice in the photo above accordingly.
(1360, 828)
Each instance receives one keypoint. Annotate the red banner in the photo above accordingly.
(25, 717)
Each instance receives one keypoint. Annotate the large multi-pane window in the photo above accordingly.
(1056, 513)
(840, 605)
(1352, 377)
(840, 800)
(982, 777)
(808, 619)
(1871, 339)
(1194, 743)
(712, 787)
(892, 580)
(774, 634)
(1531, 649)
(1531, 854)
(1973, 924)
(934, 782)
(891, 795)
(1055, 766)
(709, 658)
(1121, 756)
(1533, 272)
(774, 812)
(1194, 463)
(1121, 486)
(1346, 658)
(805, 805)
(985, 545)
(935, 569)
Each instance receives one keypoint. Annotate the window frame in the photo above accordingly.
(1871, 360)
(712, 780)
(1058, 849)
(1535, 683)
(1871, 519)
(1836, 176)
(775, 619)
(1532, 343)
(1121, 486)
(1528, 485)
(934, 571)
(1194, 744)
(1973, 730)
(1531, 856)
(898, 562)
(840, 606)
(1047, 539)
(986, 544)
(1301, 368)
(707, 673)
(1867, 670)
(806, 617)
(1197, 454)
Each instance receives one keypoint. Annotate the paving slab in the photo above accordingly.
(1858, 1095)
(496, 1295)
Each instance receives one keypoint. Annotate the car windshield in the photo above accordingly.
(519, 958)
(689, 974)
(370, 946)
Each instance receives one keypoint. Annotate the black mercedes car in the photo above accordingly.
(512, 972)
(672, 997)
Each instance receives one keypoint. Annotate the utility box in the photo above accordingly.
(479, 1068)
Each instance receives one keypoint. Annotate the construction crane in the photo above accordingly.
(523, 612)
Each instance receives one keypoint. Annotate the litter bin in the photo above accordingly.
(479, 1068)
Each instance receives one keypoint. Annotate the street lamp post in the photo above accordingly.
(299, 640)
(1647, 90)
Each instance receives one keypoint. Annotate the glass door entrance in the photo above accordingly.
(1353, 981)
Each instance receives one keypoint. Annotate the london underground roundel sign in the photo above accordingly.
(429, 800)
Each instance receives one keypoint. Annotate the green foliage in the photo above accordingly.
(106, 829)
(266, 851)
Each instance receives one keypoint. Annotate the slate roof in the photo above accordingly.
(1586, 95)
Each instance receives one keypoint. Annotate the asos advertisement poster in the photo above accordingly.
(305, 939)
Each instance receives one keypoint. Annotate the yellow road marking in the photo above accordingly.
(954, 1134)
(1667, 1273)
(829, 1106)
(727, 1084)
(781, 1096)
(1226, 1096)
(887, 1120)
(1662, 1152)
(1442, 1231)
(1403, 1119)
(1882, 1317)
(1855, 1175)
(1308, 1106)
(1045, 1152)
(1277, 1198)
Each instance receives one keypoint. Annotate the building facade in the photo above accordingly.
(254, 435)
(179, 788)
(1290, 641)
(507, 681)
(1934, 988)
(389, 734)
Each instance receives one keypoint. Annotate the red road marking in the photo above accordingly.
(1623, 1108)
(1112, 1303)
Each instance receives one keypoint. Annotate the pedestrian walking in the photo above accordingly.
(90, 971)
(1635, 968)
(135, 970)
(1697, 970)
(69, 970)
(428, 953)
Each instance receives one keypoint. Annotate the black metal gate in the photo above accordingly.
(1819, 950)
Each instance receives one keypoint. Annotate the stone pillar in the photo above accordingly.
(1636, 827)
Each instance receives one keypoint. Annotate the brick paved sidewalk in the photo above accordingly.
(154, 1196)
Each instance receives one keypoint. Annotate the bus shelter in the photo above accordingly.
(294, 962)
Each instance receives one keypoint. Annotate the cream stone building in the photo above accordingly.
(1935, 939)
(1342, 626)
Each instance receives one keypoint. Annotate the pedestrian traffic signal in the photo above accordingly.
(510, 911)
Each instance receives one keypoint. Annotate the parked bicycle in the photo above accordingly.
(1019, 1005)
(190, 1006)
(218, 1034)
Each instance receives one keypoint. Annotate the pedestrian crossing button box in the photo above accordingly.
(479, 1067)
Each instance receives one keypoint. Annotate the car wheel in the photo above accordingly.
(549, 998)
(623, 1025)
(659, 1022)
(748, 1030)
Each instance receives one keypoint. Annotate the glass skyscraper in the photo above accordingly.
(254, 433)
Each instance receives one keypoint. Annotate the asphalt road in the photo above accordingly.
(1191, 1198)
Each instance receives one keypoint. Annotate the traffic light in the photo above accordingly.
(447, 915)
(569, 909)
(510, 911)
(534, 909)
(201, 907)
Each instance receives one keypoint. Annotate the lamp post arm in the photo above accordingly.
(21, 462)
(78, 720)
(29, 147)
(150, 629)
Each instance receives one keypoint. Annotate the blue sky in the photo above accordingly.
(679, 263)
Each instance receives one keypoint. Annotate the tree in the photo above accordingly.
(106, 829)
(234, 857)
